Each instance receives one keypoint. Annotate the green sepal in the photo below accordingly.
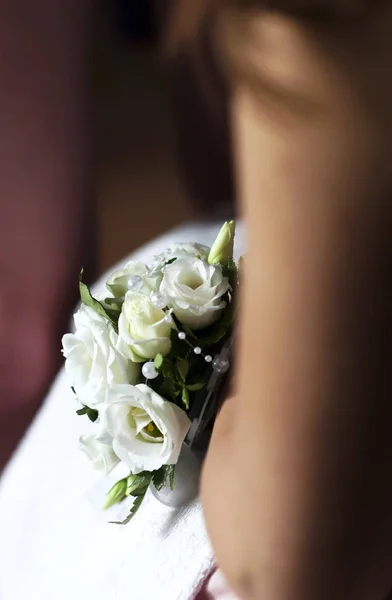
(222, 249)
(185, 397)
(231, 271)
(137, 485)
(231, 267)
(113, 304)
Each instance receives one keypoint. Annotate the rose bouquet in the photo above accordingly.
(147, 362)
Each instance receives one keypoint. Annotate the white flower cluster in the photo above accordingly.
(104, 358)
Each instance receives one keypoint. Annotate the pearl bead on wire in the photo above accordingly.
(135, 283)
(159, 299)
(149, 371)
(220, 365)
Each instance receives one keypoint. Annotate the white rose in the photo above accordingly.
(101, 455)
(178, 251)
(147, 431)
(144, 330)
(92, 361)
(195, 290)
(117, 283)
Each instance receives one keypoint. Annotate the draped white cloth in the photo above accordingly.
(55, 543)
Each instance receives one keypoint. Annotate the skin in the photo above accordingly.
(297, 485)
(47, 217)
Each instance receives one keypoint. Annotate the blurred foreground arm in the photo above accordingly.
(297, 487)
(47, 224)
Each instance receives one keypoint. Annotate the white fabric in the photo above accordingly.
(55, 545)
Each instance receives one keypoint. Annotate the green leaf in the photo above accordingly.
(216, 335)
(88, 300)
(158, 361)
(195, 387)
(90, 412)
(222, 328)
(182, 366)
(190, 334)
(136, 505)
(185, 397)
(168, 368)
(113, 315)
(73, 389)
(169, 390)
(159, 478)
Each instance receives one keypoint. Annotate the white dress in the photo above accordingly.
(56, 543)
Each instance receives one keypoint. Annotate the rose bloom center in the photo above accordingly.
(148, 433)
(191, 280)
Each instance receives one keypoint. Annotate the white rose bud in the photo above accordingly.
(144, 330)
(117, 494)
(223, 247)
(147, 430)
(195, 290)
(102, 456)
(118, 282)
(92, 361)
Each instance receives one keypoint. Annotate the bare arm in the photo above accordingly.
(297, 487)
(47, 217)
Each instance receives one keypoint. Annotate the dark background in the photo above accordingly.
(162, 153)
